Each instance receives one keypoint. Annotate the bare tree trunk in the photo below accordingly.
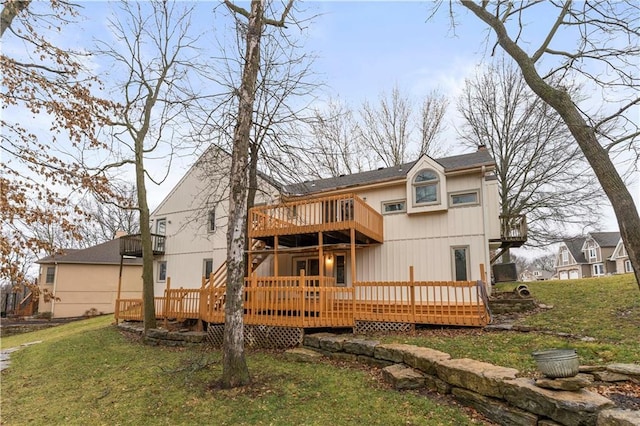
(148, 304)
(10, 10)
(584, 134)
(234, 370)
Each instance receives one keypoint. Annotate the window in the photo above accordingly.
(207, 268)
(598, 269)
(51, 274)
(460, 263)
(340, 270)
(627, 266)
(211, 222)
(565, 256)
(592, 253)
(394, 206)
(425, 187)
(162, 271)
(463, 198)
(161, 226)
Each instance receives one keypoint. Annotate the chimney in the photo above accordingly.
(482, 147)
(120, 233)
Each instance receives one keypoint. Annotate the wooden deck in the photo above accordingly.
(337, 214)
(314, 301)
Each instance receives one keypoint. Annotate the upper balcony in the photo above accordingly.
(297, 223)
(513, 230)
(131, 245)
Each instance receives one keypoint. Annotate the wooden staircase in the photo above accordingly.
(218, 279)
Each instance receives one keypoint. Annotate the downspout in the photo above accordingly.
(55, 287)
(485, 279)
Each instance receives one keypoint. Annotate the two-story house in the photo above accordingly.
(403, 244)
(621, 259)
(439, 216)
(589, 256)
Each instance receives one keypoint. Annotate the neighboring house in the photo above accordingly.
(589, 256)
(535, 275)
(621, 258)
(440, 217)
(87, 279)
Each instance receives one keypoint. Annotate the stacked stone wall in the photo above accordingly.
(495, 391)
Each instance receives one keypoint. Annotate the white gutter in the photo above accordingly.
(487, 269)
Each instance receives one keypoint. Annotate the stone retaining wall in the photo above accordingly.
(158, 336)
(494, 391)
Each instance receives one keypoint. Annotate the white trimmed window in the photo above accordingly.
(598, 270)
(468, 198)
(162, 271)
(211, 221)
(460, 261)
(627, 266)
(207, 267)
(565, 256)
(592, 253)
(398, 206)
(426, 187)
(51, 275)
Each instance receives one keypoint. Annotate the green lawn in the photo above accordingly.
(606, 309)
(88, 373)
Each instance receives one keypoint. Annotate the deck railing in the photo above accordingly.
(131, 245)
(314, 301)
(338, 212)
(421, 302)
(513, 228)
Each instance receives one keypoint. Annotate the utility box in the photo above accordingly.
(505, 272)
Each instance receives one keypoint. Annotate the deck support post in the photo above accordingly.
(200, 325)
(166, 303)
(320, 258)
(353, 269)
(412, 295)
(275, 256)
(302, 285)
(119, 289)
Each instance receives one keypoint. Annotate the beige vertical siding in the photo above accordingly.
(83, 287)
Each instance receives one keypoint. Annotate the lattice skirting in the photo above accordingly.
(366, 327)
(260, 336)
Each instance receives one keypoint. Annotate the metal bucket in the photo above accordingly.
(557, 363)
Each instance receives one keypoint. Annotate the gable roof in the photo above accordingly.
(575, 248)
(384, 174)
(606, 239)
(102, 254)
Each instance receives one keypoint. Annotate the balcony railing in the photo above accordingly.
(131, 245)
(312, 215)
(513, 228)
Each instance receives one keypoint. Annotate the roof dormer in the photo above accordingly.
(426, 187)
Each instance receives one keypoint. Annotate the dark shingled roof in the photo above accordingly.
(575, 247)
(606, 239)
(102, 254)
(457, 162)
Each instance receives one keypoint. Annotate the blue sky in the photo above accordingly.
(362, 49)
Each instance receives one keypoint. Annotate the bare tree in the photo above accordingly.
(42, 83)
(235, 372)
(598, 43)
(105, 219)
(332, 148)
(345, 140)
(541, 171)
(156, 53)
(432, 113)
(386, 127)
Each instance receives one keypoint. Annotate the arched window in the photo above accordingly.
(425, 187)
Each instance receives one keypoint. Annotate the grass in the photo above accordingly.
(606, 309)
(88, 373)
